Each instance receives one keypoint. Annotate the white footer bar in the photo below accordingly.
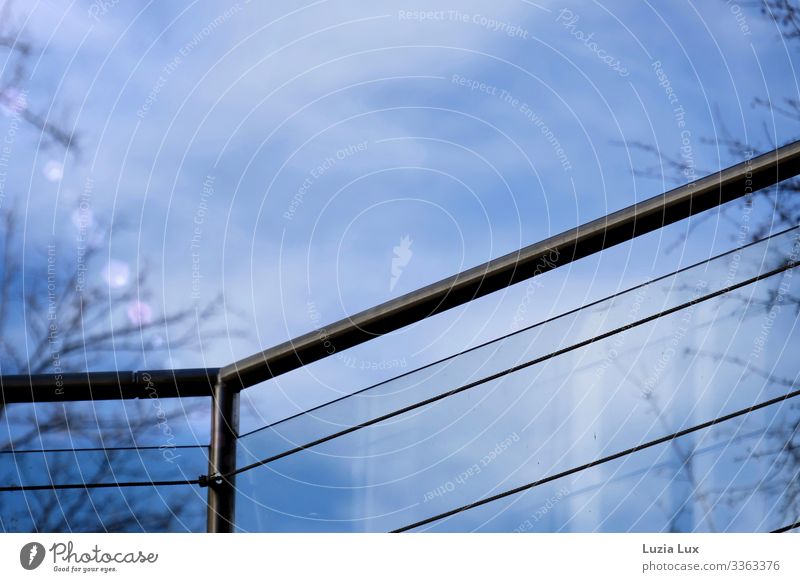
(355, 557)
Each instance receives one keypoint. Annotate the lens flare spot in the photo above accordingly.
(12, 102)
(140, 313)
(117, 274)
(53, 171)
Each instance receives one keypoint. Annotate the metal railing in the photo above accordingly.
(224, 384)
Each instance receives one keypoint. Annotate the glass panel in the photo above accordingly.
(728, 478)
(526, 345)
(118, 509)
(128, 509)
(679, 370)
(153, 421)
(102, 465)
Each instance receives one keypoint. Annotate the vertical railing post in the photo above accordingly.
(222, 458)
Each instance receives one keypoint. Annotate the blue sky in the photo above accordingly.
(325, 133)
